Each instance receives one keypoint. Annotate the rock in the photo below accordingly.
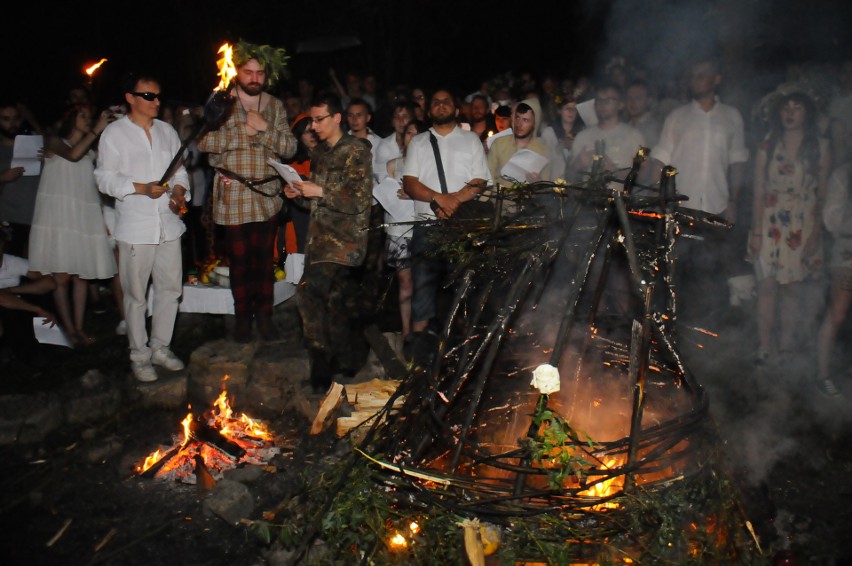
(230, 501)
(92, 379)
(168, 392)
(246, 474)
(108, 447)
(211, 363)
(82, 406)
(28, 418)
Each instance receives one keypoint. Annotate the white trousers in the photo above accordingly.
(137, 265)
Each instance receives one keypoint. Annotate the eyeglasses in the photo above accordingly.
(149, 96)
(319, 119)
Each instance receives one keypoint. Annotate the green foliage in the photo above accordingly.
(272, 59)
(556, 447)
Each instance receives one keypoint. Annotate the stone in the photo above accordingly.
(28, 419)
(230, 501)
(168, 392)
(88, 406)
(245, 474)
(211, 363)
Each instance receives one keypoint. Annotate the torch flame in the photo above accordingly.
(227, 69)
(91, 69)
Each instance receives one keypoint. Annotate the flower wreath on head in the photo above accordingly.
(272, 59)
(767, 104)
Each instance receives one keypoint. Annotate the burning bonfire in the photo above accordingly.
(219, 441)
(556, 407)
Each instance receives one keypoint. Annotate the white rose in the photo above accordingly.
(546, 379)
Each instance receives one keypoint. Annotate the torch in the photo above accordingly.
(91, 69)
(214, 109)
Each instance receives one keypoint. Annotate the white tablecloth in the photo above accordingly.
(218, 300)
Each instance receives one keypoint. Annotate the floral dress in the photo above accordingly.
(790, 217)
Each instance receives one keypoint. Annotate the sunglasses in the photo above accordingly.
(149, 96)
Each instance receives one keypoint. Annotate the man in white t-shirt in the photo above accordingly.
(466, 172)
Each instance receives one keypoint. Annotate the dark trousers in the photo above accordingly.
(250, 250)
(327, 301)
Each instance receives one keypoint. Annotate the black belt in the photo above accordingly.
(249, 183)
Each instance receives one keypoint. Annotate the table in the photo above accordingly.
(213, 299)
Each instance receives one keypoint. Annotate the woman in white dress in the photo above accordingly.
(68, 238)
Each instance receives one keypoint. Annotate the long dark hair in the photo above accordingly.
(69, 119)
(557, 126)
(303, 153)
(809, 151)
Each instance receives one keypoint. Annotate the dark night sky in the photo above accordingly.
(457, 43)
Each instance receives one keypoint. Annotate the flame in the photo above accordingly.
(90, 70)
(250, 434)
(398, 542)
(186, 432)
(607, 487)
(227, 69)
(149, 461)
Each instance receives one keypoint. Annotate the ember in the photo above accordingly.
(221, 440)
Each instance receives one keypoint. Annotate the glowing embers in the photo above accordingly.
(220, 440)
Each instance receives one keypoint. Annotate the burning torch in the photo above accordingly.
(214, 109)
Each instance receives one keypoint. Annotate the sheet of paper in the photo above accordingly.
(25, 154)
(47, 334)
(386, 192)
(522, 162)
(586, 110)
(287, 173)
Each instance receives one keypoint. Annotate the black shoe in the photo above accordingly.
(242, 330)
(321, 372)
(266, 327)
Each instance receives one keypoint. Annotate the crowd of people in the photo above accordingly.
(111, 203)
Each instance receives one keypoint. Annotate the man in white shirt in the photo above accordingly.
(704, 140)
(133, 155)
(614, 140)
(466, 172)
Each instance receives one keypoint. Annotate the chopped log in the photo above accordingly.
(374, 387)
(205, 433)
(204, 481)
(332, 401)
(394, 367)
(345, 424)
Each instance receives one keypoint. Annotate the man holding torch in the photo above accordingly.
(246, 191)
(133, 153)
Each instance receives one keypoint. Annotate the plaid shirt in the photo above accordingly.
(231, 148)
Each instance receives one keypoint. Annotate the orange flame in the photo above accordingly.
(90, 70)
(606, 487)
(186, 433)
(227, 69)
(149, 461)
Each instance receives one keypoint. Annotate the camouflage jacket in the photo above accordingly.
(339, 220)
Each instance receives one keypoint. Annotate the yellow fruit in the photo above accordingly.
(205, 279)
(280, 274)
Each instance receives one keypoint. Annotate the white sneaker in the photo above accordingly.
(121, 329)
(165, 358)
(143, 371)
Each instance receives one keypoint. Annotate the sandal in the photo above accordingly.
(80, 340)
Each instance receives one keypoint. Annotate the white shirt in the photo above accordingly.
(12, 269)
(701, 146)
(126, 156)
(621, 143)
(387, 151)
(462, 156)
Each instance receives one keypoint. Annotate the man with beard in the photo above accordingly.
(525, 122)
(481, 119)
(246, 191)
(439, 190)
(17, 191)
(339, 195)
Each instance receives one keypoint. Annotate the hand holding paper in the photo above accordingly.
(286, 172)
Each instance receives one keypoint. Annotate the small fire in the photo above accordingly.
(90, 70)
(398, 542)
(227, 69)
(222, 440)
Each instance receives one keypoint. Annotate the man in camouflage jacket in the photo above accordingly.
(339, 193)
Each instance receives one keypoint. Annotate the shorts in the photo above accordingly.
(398, 252)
